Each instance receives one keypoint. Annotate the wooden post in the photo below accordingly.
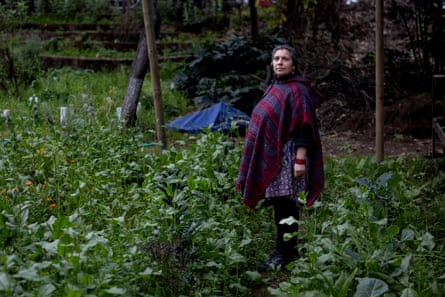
(253, 18)
(154, 70)
(379, 82)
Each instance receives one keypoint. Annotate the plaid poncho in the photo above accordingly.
(285, 106)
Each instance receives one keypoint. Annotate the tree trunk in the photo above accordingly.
(139, 69)
(438, 38)
(253, 19)
(9, 72)
(291, 15)
(296, 18)
(327, 12)
(134, 85)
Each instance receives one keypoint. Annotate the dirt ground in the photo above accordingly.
(407, 130)
(362, 143)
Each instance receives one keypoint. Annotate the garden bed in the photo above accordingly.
(99, 63)
(52, 61)
(96, 46)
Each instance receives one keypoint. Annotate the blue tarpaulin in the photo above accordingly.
(218, 117)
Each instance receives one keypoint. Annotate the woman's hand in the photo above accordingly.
(300, 162)
(299, 170)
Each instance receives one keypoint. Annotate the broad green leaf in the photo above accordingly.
(381, 222)
(350, 254)
(384, 178)
(213, 264)
(341, 229)
(50, 247)
(116, 291)
(238, 286)
(324, 258)
(254, 275)
(428, 241)
(24, 215)
(288, 221)
(407, 234)
(405, 263)
(408, 292)
(245, 242)
(5, 281)
(370, 287)
(46, 290)
(11, 261)
(150, 271)
(236, 258)
(30, 274)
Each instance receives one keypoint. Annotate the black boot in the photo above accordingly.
(276, 261)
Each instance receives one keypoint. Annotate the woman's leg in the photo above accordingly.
(285, 208)
(285, 251)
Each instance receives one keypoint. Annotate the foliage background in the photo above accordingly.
(89, 208)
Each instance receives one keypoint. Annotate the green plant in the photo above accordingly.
(369, 236)
(87, 208)
(192, 13)
(80, 10)
(19, 65)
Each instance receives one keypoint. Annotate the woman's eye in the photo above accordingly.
(282, 59)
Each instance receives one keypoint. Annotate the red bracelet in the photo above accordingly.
(300, 161)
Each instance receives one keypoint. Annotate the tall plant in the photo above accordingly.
(191, 12)
(423, 24)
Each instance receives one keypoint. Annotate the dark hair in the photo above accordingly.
(290, 49)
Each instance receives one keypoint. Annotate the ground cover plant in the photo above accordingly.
(88, 208)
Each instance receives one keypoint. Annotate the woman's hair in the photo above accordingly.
(290, 49)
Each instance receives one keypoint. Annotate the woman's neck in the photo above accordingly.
(284, 77)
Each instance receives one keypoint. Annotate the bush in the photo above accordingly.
(232, 71)
(19, 65)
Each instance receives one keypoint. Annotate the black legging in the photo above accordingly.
(284, 208)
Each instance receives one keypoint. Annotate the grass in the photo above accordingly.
(87, 210)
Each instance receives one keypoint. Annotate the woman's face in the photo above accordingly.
(282, 63)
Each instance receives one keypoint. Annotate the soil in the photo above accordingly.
(407, 130)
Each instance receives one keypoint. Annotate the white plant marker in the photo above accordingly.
(119, 113)
(63, 115)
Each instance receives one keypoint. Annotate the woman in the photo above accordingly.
(282, 155)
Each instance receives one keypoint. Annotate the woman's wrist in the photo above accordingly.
(300, 161)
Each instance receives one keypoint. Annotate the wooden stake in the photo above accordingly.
(154, 70)
(379, 82)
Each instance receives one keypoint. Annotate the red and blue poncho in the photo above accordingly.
(285, 106)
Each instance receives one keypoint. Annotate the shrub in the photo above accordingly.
(232, 71)
(19, 66)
